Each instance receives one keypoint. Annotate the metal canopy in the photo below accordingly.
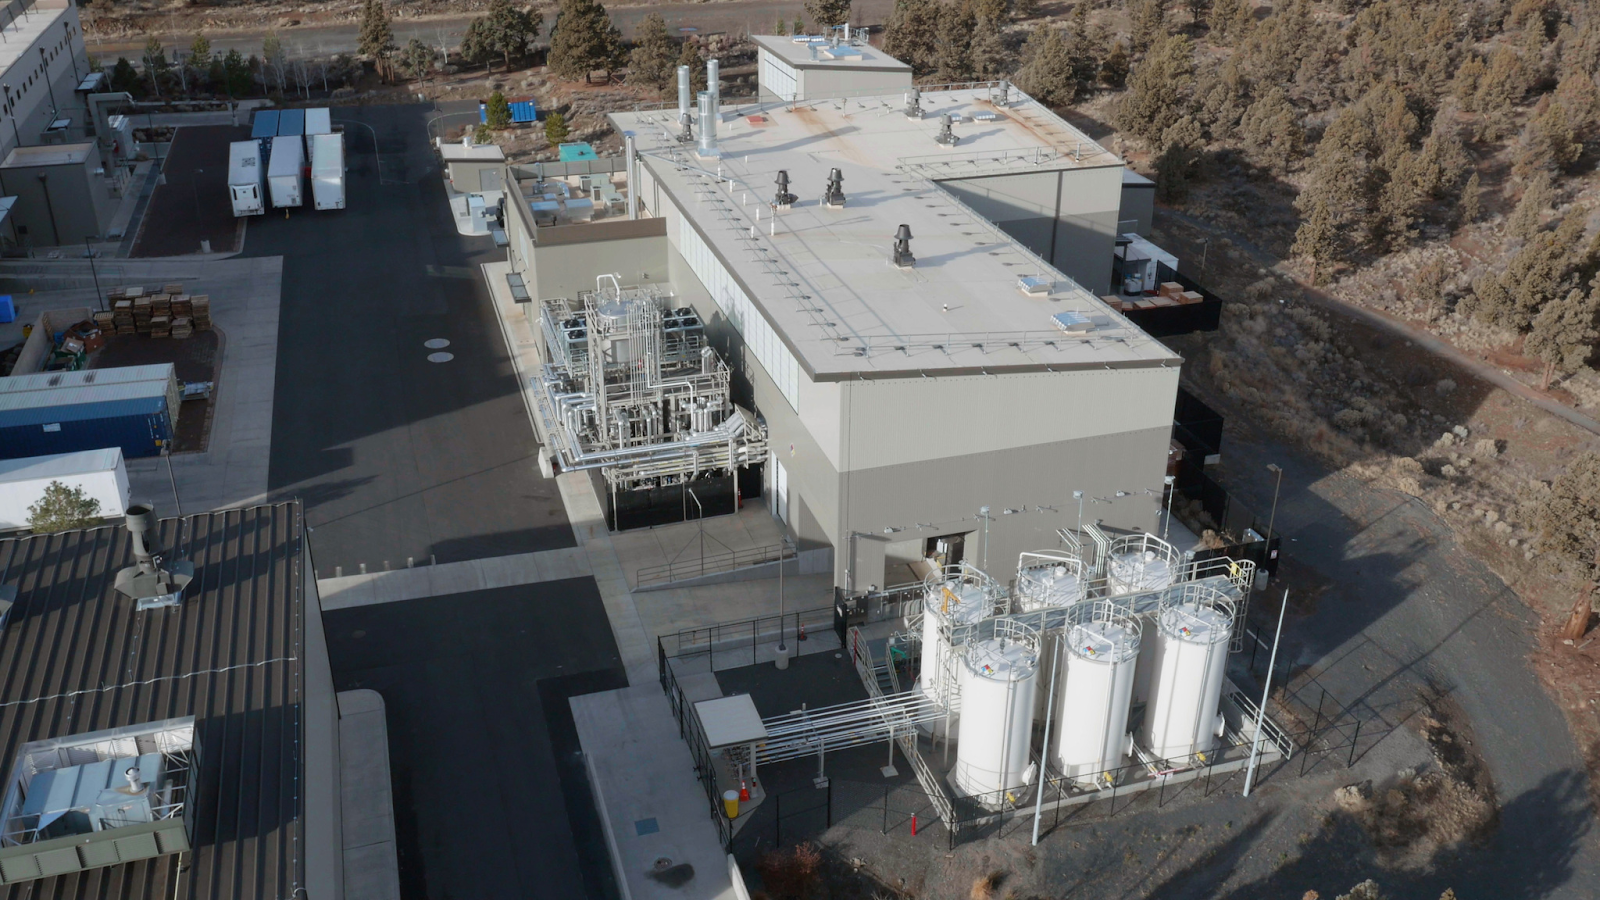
(730, 721)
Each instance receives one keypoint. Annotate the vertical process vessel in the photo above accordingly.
(1141, 562)
(998, 682)
(952, 597)
(1192, 631)
(1102, 652)
(1048, 579)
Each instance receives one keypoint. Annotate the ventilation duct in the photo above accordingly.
(151, 580)
(708, 124)
(914, 104)
(902, 248)
(947, 134)
(783, 199)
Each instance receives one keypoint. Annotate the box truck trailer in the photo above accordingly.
(283, 174)
(100, 474)
(247, 178)
(318, 121)
(263, 128)
(327, 170)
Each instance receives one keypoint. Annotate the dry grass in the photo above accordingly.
(986, 887)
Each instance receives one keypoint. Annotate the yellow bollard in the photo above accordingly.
(730, 803)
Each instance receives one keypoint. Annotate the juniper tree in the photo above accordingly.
(497, 112)
(1471, 205)
(1564, 333)
(654, 56)
(1047, 74)
(555, 128)
(583, 40)
(377, 37)
(1271, 127)
(828, 13)
(912, 34)
(1529, 212)
(511, 29)
(1158, 89)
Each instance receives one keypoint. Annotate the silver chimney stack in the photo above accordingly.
(630, 151)
(714, 81)
(685, 115)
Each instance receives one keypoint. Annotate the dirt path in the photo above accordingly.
(756, 16)
(1401, 329)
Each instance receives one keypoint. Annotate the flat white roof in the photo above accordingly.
(43, 381)
(825, 281)
(455, 151)
(43, 18)
(47, 155)
(58, 465)
(797, 52)
(730, 720)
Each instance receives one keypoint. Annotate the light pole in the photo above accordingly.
(783, 650)
(1272, 518)
(983, 561)
(1266, 692)
(44, 62)
(1172, 488)
(99, 298)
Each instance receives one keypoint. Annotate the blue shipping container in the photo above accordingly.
(263, 128)
(291, 123)
(8, 309)
(140, 426)
(522, 112)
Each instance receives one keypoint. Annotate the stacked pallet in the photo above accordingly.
(161, 315)
(200, 305)
(105, 321)
(141, 314)
(172, 289)
(181, 306)
(181, 327)
(122, 316)
(161, 326)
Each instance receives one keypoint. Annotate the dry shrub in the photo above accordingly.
(986, 887)
(791, 873)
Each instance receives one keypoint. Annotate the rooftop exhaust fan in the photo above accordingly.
(783, 199)
(151, 580)
(947, 134)
(833, 196)
(914, 104)
(902, 248)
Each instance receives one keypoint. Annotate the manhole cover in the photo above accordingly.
(436, 344)
(440, 357)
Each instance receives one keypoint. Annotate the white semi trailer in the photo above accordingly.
(327, 170)
(100, 474)
(247, 178)
(284, 174)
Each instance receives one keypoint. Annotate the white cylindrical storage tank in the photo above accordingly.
(1143, 563)
(1046, 580)
(1182, 719)
(1092, 719)
(998, 680)
(955, 601)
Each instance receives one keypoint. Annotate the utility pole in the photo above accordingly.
(99, 298)
(1266, 692)
(1272, 519)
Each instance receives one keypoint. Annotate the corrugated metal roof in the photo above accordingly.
(58, 464)
(44, 381)
(76, 396)
(75, 657)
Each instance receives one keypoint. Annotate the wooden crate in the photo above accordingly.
(173, 288)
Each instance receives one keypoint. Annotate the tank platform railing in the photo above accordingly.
(932, 785)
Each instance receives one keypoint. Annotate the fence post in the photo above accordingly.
(1353, 742)
(886, 809)
(830, 803)
(755, 638)
(777, 820)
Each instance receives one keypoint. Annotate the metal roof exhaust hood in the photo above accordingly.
(152, 581)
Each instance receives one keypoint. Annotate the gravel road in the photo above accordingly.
(325, 40)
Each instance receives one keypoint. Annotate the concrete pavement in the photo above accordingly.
(371, 859)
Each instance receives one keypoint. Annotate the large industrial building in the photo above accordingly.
(904, 285)
(168, 724)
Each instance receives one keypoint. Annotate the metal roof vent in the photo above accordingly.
(902, 248)
(151, 580)
(685, 117)
(783, 199)
(1035, 285)
(1073, 322)
(947, 135)
(833, 196)
(914, 104)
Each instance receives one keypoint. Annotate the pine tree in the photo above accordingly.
(200, 53)
(988, 54)
(1529, 212)
(124, 77)
(417, 60)
(1271, 127)
(583, 40)
(690, 56)
(63, 508)
(555, 129)
(1159, 88)
(377, 37)
(1318, 239)
(1114, 70)
(1047, 75)
(1082, 49)
(1564, 333)
(654, 55)
(1180, 156)
(782, 28)
(477, 44)
(1221, 21)
(497, 112)
(512, 29)
(912, 34)
(956, 25)
(236, 73)
(1471, 205)
(1147, 22)
(828, 13)
(799, 26)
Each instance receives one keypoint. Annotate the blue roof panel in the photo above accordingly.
(265, 124)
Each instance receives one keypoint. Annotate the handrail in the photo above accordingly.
(715, 564)
(907, 739)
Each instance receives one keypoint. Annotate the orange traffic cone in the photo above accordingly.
(744, 791)
(802, 635)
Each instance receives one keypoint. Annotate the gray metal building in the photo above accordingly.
(904, 401)
(239, 669)
(805, 68)
(61, 197)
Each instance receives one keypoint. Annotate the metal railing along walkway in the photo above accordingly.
(715, 564)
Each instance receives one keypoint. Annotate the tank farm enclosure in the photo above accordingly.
(1108, 670)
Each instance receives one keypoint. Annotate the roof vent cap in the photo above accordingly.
(151, 581)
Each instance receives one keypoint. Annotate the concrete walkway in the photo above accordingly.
(232, 471)
(366, 801)
(650, 803)
(343, 592)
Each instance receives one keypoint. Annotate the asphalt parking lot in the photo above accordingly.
(191, 204)
(491, 797)
(397, 458)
